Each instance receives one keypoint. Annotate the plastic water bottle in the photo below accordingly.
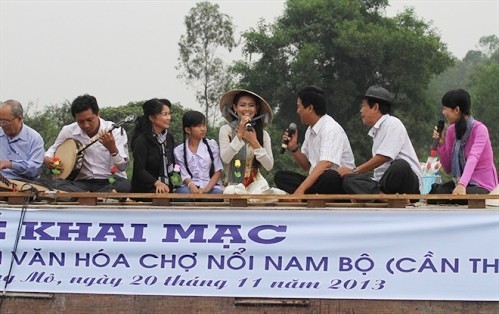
(438, 178)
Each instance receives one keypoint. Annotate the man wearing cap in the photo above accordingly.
(325, 148)
(21, 147)
(395, 163)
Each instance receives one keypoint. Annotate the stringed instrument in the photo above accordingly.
(71, 152)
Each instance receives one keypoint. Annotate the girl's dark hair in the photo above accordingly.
(151, 107)
(458, 98)
(190, 119)
(258, 126)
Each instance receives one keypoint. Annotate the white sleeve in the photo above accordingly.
(229, 146)
(393, 140)
(332, 144)
(121, 140)
(61, 138)
(304, 147)
(264, 154)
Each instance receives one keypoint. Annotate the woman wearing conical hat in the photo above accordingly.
(245, 146)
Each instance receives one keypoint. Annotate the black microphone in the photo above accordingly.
(249, 126)
(440, 127)
(291, 131)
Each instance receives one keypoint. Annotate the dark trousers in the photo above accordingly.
(398, 178)
(448, 188)
(329, 182)
(120, 185)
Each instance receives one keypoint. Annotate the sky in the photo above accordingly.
(127, 50)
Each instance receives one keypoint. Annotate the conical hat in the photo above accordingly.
(228, 113)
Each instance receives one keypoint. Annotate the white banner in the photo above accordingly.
(343, 254)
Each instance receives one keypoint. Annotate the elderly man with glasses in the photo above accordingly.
(21, 147)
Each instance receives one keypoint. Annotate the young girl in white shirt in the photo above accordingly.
(198, 157)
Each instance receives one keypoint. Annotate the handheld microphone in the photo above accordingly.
(249, 126)
(433, 150)
(440, 127)
(291, 130)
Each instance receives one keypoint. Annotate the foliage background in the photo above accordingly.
(342, 46)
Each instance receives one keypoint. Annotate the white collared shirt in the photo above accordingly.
(199, 162)
(326, 140)
(97, 162)
(390, 139)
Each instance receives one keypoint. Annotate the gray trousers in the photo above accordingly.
(120, 185)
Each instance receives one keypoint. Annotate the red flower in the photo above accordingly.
(113, 170)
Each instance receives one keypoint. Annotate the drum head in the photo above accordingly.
(67, 153)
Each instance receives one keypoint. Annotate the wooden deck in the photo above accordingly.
(254, 200)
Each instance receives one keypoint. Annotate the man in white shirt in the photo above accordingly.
(104, 162)
(325, 149)
(395, 163)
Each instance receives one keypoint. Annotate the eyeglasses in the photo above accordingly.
(4, 123)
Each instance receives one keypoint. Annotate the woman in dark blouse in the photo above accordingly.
(152, 147)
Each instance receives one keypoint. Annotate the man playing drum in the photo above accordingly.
(21, 147)
(96, 164)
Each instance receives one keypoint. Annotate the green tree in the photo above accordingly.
(116, 114)
(207, 30)
(50, 121)
(490, 45)
(485, 98)
(478, 73)
(459, 75)
(344, 46)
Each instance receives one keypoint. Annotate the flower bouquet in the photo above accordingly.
(56, 162)
(175, 177)
(237, 168)
(112, 179)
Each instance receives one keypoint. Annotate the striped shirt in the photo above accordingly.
(326, 140)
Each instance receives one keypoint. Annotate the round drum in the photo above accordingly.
(70, 159)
